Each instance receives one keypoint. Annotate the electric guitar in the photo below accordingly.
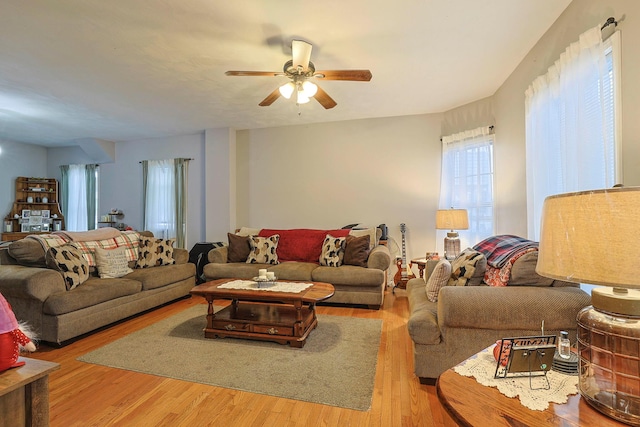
(404, 273)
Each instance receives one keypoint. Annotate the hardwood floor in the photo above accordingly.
(84, 395)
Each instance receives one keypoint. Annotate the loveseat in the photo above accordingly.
(62, 300)
(353, 261)
(460, 316)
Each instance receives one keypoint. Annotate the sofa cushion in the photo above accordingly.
(155, 252)
(348, 275)
(28, 252)
(463, 267)
(439, 278)
(68, 260)
(301, 244)
(264, 250)
(370, 232)
(157, 277)
(92, 292)
(332, 251)
(239, 248)
(356, 251)
(293, 270)
(213, 271)
(112, 263)
(523, 272)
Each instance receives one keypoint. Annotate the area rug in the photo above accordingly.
(336, 366)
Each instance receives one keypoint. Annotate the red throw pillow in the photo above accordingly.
(301, 244)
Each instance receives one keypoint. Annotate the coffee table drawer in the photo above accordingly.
(273, 330)
(231, 325)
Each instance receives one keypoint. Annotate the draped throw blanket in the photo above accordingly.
(499, 249)
(502, 252)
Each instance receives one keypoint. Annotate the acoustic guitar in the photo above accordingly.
(404, 273)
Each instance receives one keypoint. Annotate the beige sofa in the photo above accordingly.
(354, 285)
(466, 319)
(39, 296)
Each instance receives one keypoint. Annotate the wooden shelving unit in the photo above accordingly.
(36, 195)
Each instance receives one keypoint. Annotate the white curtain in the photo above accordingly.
(467, 182)
(569, 118)
(165, 198)
(79, 196)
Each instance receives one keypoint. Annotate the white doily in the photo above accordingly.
(292, 287)
(483, 368)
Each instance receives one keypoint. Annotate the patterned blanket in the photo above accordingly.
(499, 249)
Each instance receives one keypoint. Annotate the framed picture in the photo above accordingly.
(35, 228)
(36, 212)
(24, 228)
(45, 227)
(45, 213)
(26, 213)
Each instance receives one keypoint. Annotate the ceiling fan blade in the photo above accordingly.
(353, 75)
(301, 51)
(324, 99)
(254, 73)
(271, 98)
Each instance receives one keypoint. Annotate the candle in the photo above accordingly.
(271, 275)
(262, 273)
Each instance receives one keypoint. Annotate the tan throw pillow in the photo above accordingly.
(239, 248)
(332, 251)
(154, 252)
(356, 251)
(68, 260)
(463, 267)
(439, 278)
(112, 263)
(263, 250)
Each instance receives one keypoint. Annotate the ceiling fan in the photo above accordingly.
(300, 70)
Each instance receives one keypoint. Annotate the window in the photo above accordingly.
(165, 198)
(79, 196)
(571, 115)
(467, 180)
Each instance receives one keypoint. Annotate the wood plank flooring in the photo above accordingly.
(84, 395)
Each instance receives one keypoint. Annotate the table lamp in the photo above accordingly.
(593, 237)
(452, 219)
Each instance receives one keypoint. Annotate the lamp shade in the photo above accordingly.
(452, 219)
(591, 237)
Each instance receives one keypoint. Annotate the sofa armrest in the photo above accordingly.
(218, 255)
(181, 256)
(379, 258)
(30, 282)
(518, 307)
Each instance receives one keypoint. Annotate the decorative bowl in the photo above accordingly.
(263, 282)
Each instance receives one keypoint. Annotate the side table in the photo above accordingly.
(423, 264)
(469, 403)
(24, 393)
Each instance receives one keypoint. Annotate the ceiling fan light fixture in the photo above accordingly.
(309, 88)
(287, 89)
(302, 98)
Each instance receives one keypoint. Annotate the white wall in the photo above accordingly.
(329, 175)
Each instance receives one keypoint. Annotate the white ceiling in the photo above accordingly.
(123, 70)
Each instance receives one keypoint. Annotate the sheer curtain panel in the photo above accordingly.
(570, 124)
(79, 196)
(165, 198)
(467, 181)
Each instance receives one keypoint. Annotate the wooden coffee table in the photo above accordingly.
(283, 317)
(469, 403)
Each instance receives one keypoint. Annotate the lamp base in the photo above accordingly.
(609, 350)
(451, 246)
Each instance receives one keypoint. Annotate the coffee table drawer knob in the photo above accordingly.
(272, 331)
(230, 327)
